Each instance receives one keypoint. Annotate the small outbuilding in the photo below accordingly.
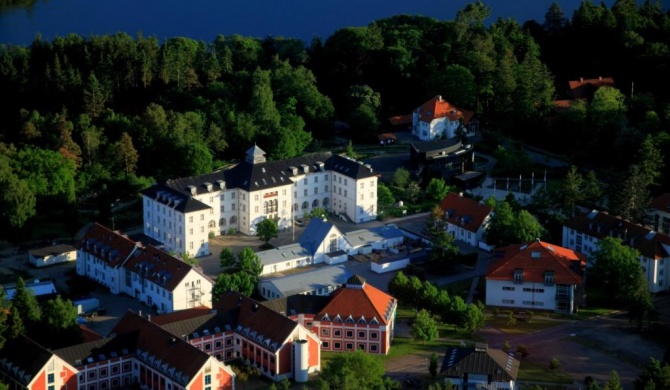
(52, 255)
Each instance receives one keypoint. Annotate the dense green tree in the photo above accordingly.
(432, 365)
(241, 282)
(47, 173)
(26, 304)
(508, 227)
(457, 85)
(384, 196)
(616, 267)
(17, 201)
(436, 190)
(248, 262)
(412, 192)
(555, 20)
(59, 324)
(473, 318)
(317, 212)
(95, 97)
(126, 153)
(398, 286)
(227, 258)
(401, 177)
(614, 383)
(656, 375)
(352, 371)
(14, 325)
(608, 107)
(267, 229)
(424, 327)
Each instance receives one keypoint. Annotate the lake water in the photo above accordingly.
(205, 19)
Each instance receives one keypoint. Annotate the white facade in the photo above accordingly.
(531, 296)
(183, 213)
(94, 268)
(437, 128)
(475, 381)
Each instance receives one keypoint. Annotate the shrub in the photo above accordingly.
(554, 363)
(511, 320)
(506, 346)
(212, 235)
(496, 311)
(522, 350)
(232, 230)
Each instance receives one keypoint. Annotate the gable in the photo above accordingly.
(463, 212)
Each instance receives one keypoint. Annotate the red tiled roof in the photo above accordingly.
(536, 258)
(438, 108)
(599, 82)
(106, 245)
(649, 243)
(464, 212)
(562, 105)
(384, 136)
(181, 315)
(256, 317)
(662, 202)
(400, 120)
(359, 299)
(161, 344)
(158, 267)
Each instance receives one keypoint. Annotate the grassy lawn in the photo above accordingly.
(539, 322)
(531, 371)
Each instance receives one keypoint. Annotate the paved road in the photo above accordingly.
(586, 348)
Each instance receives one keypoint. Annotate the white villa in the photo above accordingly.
(146, 273)
(183, 213)
(437, 118)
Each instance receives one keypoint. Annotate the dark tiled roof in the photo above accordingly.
(178, 200)
(464, 212)
(203, 325)
(256, 321)
(298, 304)
(52, 250)
(99, 350)
(649, 243)
(349, 167)
(158, 267)
(158, 347)
(107, 245)
(448, 145)
(493, 363)
(400, 120)
(535, 259)
(22, 359)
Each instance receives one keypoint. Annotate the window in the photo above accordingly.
(202, 229)
(218, 344)
(256, 197)
(345, 193)
(518, 276)
(507, 288)
(338, 346)
(305, 192)
(508, 301)
(91, 375)
(202, 217)
(361, 347)
(350, 333)
(190, 219)
(208, 347)
(305, 181)
(533, 290)
(50, 378)
(208, 379)
(103, 371)
(316, 190)
(361, 334)
(338, 333)
(324, 332)
(190, 231)
(345, 182)
(373, 348)
(549, 278)
(350, 346)
(373, 335)
(305, 205)
(325, 344)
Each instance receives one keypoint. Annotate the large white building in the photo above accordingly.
(582, 233)
(146, 273)
(536, 276)
(183, 213)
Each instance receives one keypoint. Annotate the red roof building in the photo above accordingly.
(585, 88)
(238, 327)
(437, 118)
(466, 219)
(538, 276)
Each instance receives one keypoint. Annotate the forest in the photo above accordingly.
(102, 117)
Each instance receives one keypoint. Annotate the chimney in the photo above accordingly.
(139, 312)
(600, 78)
(581, 79)
(439, 98)
(149, 317)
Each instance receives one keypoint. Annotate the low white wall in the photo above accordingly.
(390, 266)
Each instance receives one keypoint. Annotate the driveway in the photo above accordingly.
(593, 348)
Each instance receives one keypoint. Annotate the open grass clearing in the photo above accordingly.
(532, 371)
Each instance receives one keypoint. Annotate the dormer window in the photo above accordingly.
(518, 276)
(535, 254)
(549, 278)
(350, 319)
